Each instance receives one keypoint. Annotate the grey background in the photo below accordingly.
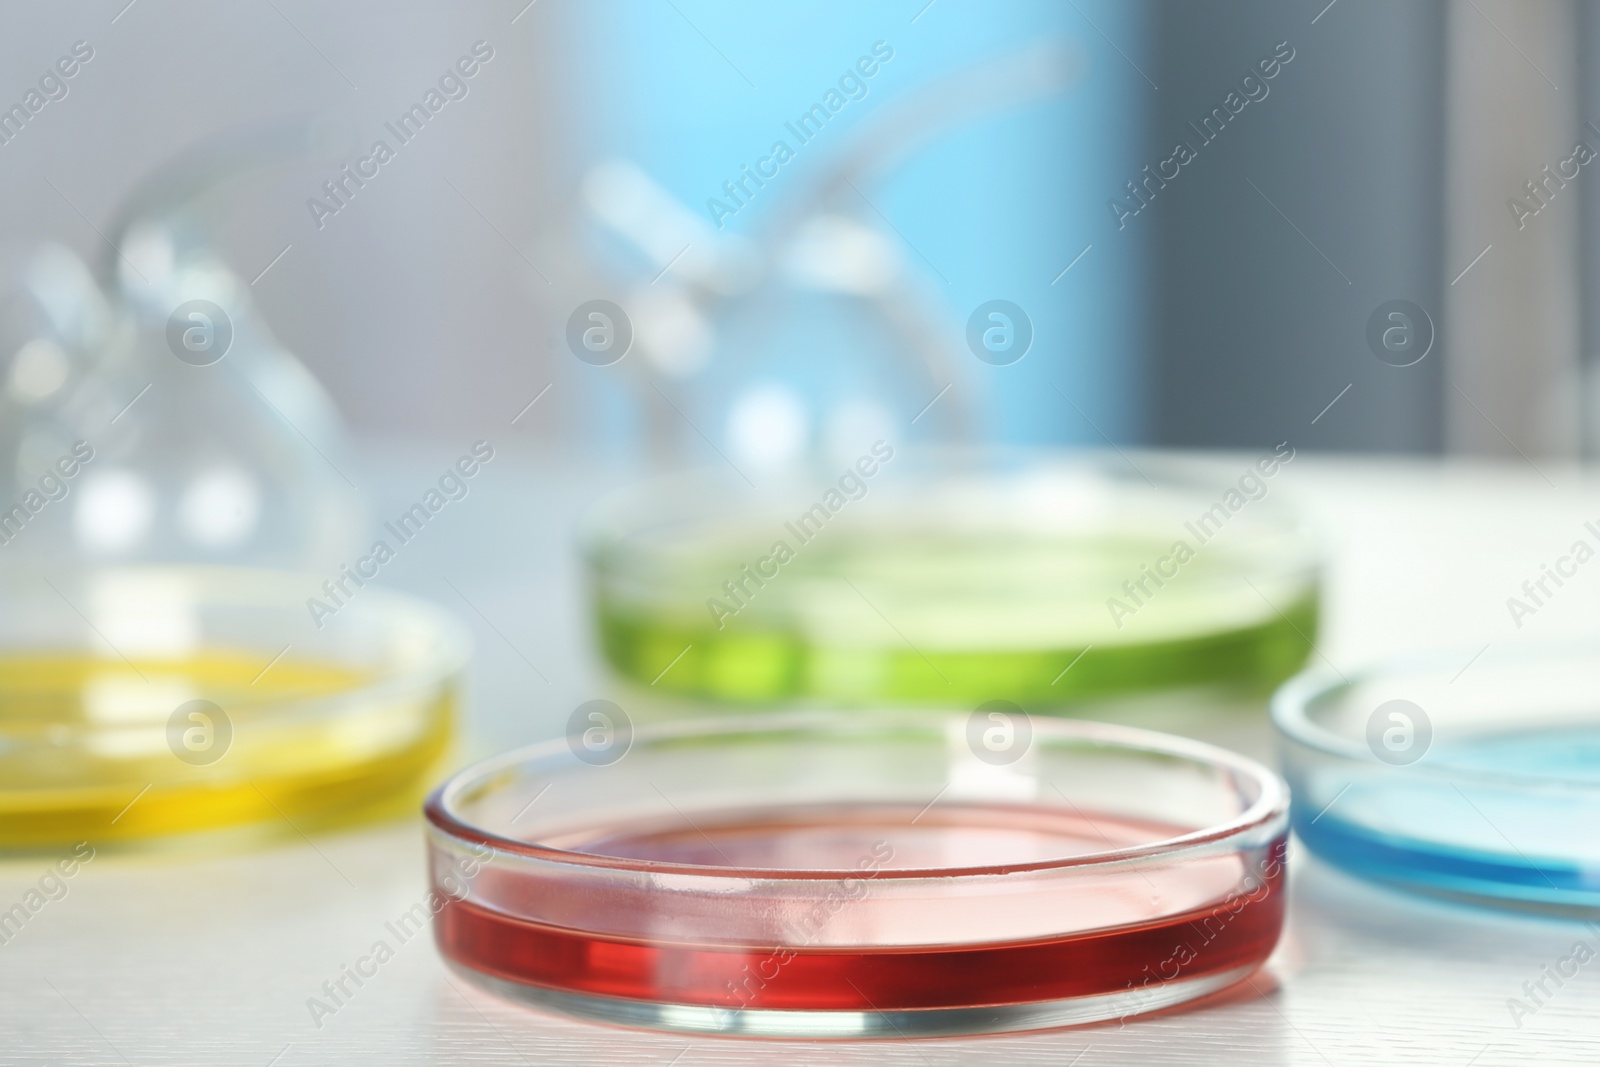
(1255, 331)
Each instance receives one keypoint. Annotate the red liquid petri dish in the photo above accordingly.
(860, 875)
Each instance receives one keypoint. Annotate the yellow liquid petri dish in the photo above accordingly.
(147, 703)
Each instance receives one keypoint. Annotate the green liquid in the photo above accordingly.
(879, 615)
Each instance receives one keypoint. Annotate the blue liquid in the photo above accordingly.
(1525, 839)
(1573, 755)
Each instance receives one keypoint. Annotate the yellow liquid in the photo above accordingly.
(85, 753)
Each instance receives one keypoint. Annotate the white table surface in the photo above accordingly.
(208, 957)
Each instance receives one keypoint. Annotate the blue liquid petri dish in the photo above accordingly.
(1471, 778)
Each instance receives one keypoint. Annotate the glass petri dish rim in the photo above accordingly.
(1290, 711)
(620, 516)
(271, 587)
(1268, 810)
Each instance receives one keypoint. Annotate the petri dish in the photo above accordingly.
(139, 703)
(1046, 579)
(833, 874)
(1471, 777)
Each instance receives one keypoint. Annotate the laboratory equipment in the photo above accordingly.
(143, 703)
(194, 435)
(1473, 776)
(815, 331)
(832, 874)
(954, 577)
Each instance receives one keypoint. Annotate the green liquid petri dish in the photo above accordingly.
(1050, 580)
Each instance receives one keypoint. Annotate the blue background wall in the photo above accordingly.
(692, 89)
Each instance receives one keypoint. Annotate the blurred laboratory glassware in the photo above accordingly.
(190, 433)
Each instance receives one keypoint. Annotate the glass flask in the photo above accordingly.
(161, 421)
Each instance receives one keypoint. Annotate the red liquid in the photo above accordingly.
(1211, 939)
